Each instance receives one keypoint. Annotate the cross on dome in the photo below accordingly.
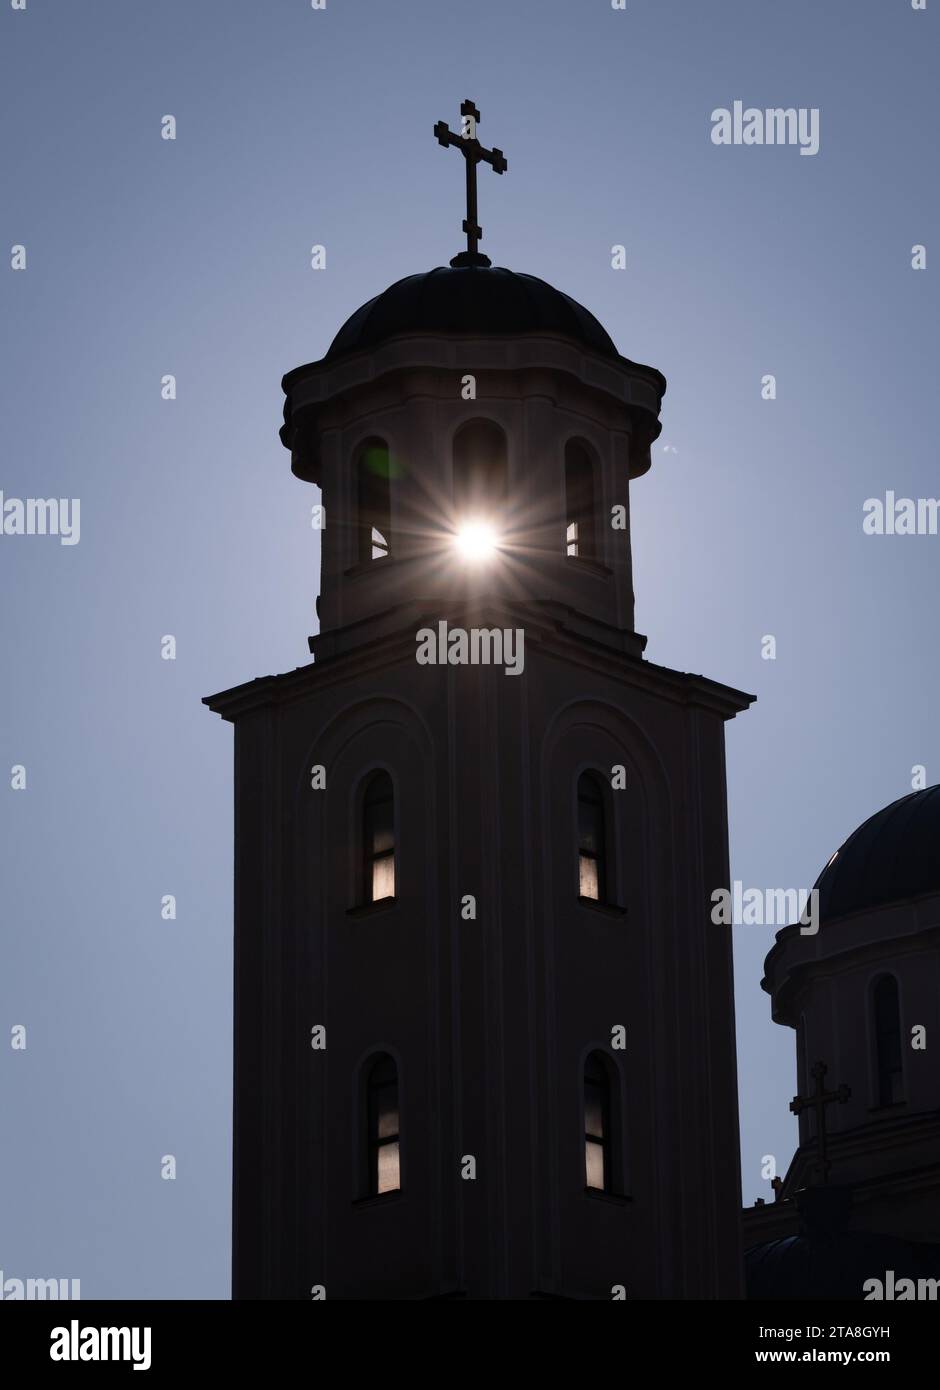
(474, 153)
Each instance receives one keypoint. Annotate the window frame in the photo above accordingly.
(373, 505)
(581, 470)
(883, 1072)
(480, 493)
(601, 857)
(371, 1142)
(614, 1144)
(368, 857)
(602, 1141)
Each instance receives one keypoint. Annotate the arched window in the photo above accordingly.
(378, 838)
(374, 516)
(598, 1169)
(580, 507)
(888, 1041)
(383, 1126)
(592, 838)
(481, 475)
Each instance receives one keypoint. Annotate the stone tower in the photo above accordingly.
(484, 1038)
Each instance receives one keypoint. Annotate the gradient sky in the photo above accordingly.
(191, 257)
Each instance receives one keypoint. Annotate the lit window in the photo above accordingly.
(592, 839)
(378, 826)
(597, 1172)
(383, 1120)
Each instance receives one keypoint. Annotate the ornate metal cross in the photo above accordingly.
(818, 1102)
(473, 153)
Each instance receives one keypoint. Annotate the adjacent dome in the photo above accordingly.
(894, 855)
(470, 299)
(834, 1267)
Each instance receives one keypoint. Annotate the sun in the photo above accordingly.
(476, 541)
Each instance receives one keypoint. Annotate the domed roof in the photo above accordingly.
(470, 299)
(826, 1259)
(894, 855)
(836, 1267)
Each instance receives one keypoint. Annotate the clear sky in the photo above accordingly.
(147, 257)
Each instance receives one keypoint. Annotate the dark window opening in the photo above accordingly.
(481, 478)
(580, 507)
(374, 518)
(888, 1041)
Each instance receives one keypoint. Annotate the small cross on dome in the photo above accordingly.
(817, 1102)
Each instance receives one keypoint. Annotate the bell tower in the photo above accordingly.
(484, 1039)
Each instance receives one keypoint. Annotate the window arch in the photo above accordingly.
(598, 1164)
(378, 838)
(580, 502)
(481, 470)
(593, 881)
(886, 1009)
(374, 516)
(383, 1126)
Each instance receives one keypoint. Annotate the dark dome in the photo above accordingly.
(826, 1260)
(838, 1266)
(894, 855)
(470, 299)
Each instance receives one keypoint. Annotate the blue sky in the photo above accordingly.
(148, 257)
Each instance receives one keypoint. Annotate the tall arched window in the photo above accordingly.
(481, 474)
(580, 504)
(374, 501)
(598, 1169)
(592, 838)
(378, 838)
(383, 1126)
(887, 1021)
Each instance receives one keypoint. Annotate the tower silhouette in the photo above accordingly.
(484, 1038)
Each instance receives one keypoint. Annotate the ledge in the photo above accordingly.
(605, 909)
(388, 637)
(372, 909)
(612, 1199)
(379, 1199)
(589, 565)
(368, 566)
(631, 386)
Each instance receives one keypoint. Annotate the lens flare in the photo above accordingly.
(476, 540)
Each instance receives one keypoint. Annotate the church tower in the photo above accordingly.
(484, 1038)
